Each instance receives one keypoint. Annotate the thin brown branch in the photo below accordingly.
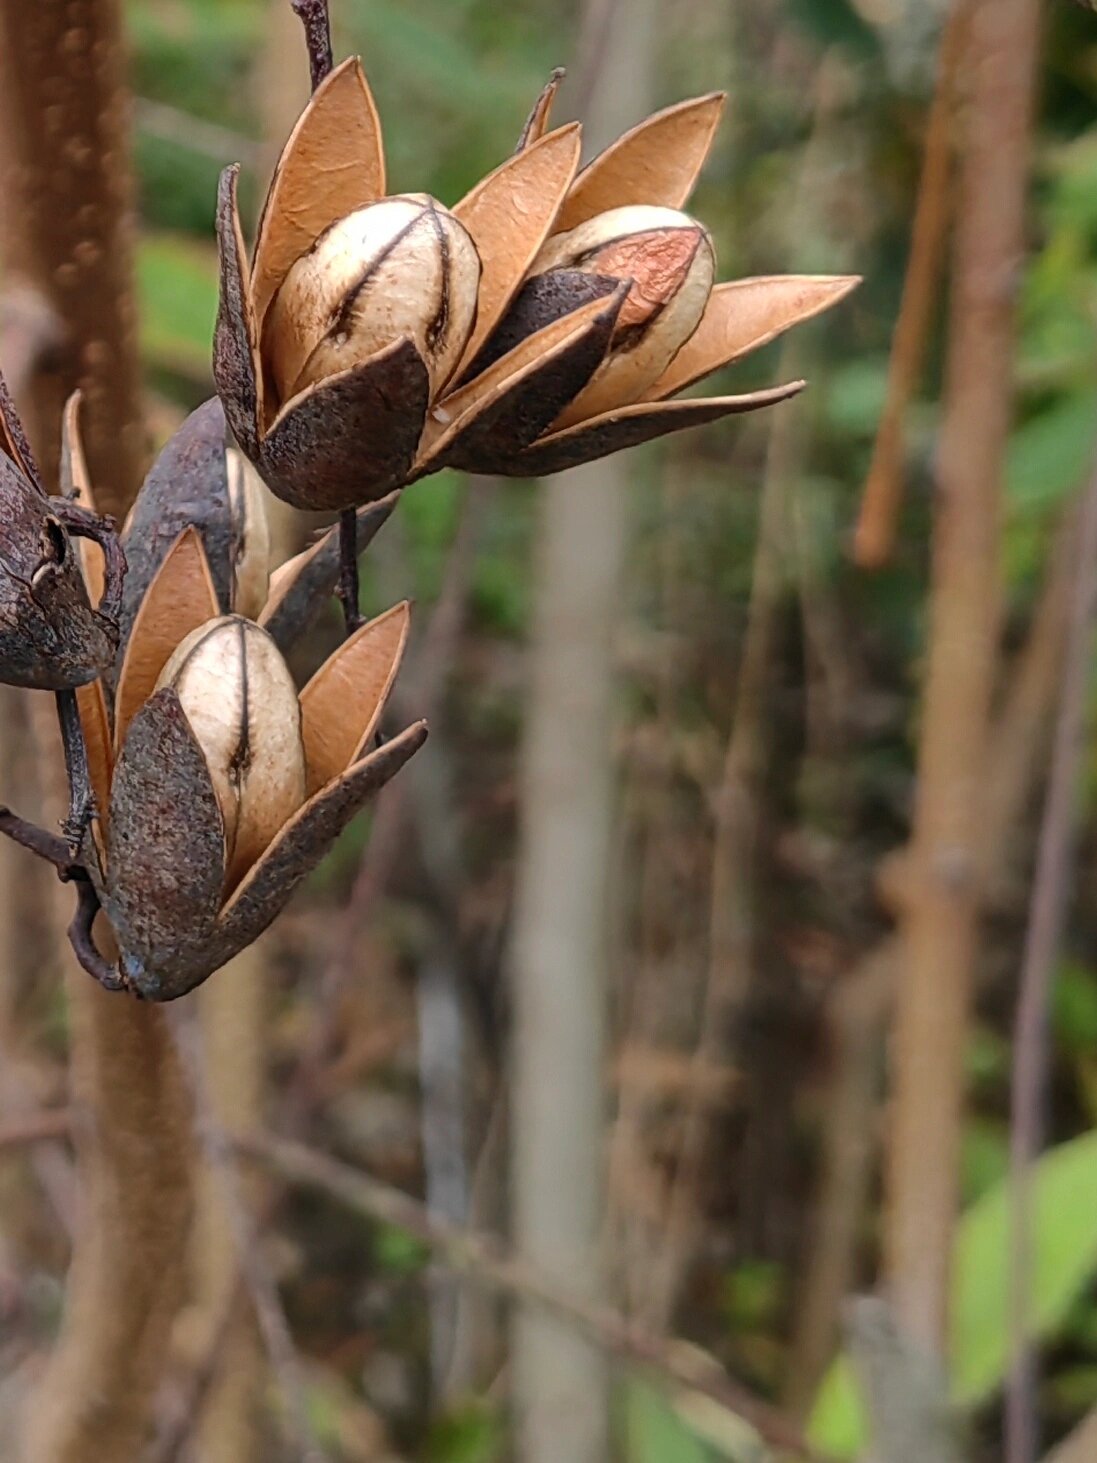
(183, 129)
(1047, 915)
(482, 1258)
(35, 1128)
(940, 922)
(874, 537)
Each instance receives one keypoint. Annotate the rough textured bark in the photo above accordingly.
(560, 1386)
(939, 926)
(68, 195)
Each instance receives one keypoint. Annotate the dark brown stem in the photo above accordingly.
(348, 569)
(874, 537)
(46, 845)
(81, 935)
(82, 523)
(1047, 911)
(57, 852)
(313, 15)
(81, 797)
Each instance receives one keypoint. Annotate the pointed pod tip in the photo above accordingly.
(567, 131)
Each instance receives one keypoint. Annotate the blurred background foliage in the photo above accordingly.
(815, 170)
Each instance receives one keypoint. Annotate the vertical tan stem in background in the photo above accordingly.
(559, 966)
(67, 197)
(939, 927)
(232, 1014)
(874, 538)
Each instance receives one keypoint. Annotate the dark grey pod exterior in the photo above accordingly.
(163, 888)
(50, 637)
(187, 486)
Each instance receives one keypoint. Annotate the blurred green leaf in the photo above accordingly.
(177, 291)
(1074, 1008)
(470, 1434)
(398, 1251)
(1050, 454)
(836, 22)
(1064, 1200)
(985, 1156)
(1064, 1197)
(837, 1424)
(856, 395)
(755, 1293)
(654, 1431)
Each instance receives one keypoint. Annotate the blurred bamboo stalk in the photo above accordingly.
(559, 962)
(232, 1017)
(939, 923)
(68, 197)
(874, 537)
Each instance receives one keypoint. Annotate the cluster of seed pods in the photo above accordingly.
(550, 317)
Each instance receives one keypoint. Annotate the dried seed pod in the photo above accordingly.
(239, 698)
(199, 482)
(251, 547)
(400, 268)
(358, 313)
(548, 377)
(212, 820)
(669, 260)
(51, 636)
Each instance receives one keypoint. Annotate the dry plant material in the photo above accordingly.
(532, 327)
(225, 790)
(54, 635)
(217, 789)
(874, 537)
